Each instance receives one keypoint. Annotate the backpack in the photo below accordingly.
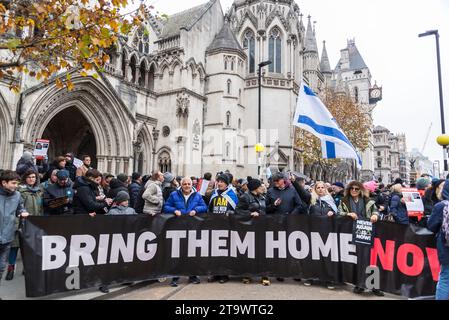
(445, 224)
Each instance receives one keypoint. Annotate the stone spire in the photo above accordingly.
(325, 65)
(310, 45)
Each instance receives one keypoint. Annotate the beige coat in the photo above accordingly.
(153, 197)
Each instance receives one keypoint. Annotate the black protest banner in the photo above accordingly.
(75, 252)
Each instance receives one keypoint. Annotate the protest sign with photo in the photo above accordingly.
(41, 148)
(413, 201)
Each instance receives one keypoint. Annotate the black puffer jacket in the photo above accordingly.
(84, 201)
(249, 202)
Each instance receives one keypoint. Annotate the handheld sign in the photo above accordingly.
(41, 148)
(202, 186)
(363, 232)
(77, 162)
(413, 201)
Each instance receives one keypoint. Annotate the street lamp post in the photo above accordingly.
(440, 87)
(155, 133)
(261, 65)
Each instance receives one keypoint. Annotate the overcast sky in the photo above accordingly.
(386, 34)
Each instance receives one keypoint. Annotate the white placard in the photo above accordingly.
(41, 147)
(77, 162)
(413, 200)
(203, 186)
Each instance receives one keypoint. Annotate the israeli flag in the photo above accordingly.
(312, 115)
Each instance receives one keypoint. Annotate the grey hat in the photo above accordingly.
(27, 155)
(168, 177)
(278, 176)
(121, 197)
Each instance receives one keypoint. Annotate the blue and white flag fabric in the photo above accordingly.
(312, 115)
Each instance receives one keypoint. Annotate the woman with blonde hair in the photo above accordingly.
(397, 205)
(322, 203)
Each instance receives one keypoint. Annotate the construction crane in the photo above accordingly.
(427, 138)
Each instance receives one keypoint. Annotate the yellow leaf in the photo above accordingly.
(83, 73)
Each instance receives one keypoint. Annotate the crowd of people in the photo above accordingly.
(61, 188)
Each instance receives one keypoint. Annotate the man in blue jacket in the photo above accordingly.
(435, 224)
(182, 202)
(11, 206)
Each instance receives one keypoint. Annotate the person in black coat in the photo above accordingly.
(69, 166)
(86, 199)
(169, 185)
(134, 188)
(252, 203)
(299, 183)
(61, 189)
(139, 203)
(118, 184)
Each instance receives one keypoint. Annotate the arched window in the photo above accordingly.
(142, 41)
(151, 78)
(356, 94)
(142, 74)
(228, 86)
(228, 119)
(275, 51)
(250, 45)
(164, 162)
(133, 66)
(124, 64)
(228, 149)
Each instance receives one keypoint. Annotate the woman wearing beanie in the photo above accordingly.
(252, 203)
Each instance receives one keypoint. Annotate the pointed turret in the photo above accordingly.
(310, 44)
(325, 65)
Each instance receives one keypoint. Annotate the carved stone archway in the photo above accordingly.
(107, 116)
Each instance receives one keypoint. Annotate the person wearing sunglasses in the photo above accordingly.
(357, 204)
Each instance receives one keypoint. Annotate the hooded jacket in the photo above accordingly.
(177, 201)
(121, 210)
(322, 206)
(153, 197)
(84, 201)
(434, 225)
(398, 209)
(32, 199)
(370, 207)
(134, 189)
(11, 206)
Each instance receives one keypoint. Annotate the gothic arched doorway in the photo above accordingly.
(69, 131)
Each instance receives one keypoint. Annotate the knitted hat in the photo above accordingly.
(224, 178)
(422, 183)
(168, 177)
(121, 197)
(242, 182)
(253, 184)
(62, 174)
(122, 177)
(338, 184)
(370, 185)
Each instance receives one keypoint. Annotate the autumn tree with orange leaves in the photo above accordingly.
(351, 119)
(42, 38)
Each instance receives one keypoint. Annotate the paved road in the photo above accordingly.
(234, 289)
